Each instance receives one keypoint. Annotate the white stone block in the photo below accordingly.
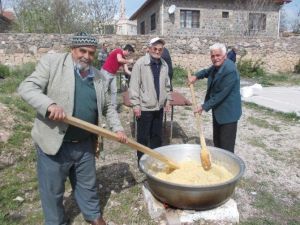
(225, 214)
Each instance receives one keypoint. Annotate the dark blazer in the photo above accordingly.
(223, 92)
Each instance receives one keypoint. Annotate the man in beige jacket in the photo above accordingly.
(149, 92)
(67, 84)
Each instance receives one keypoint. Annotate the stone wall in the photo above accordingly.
(278, 54)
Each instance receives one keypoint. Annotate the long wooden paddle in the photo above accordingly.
(111, 135)
(204, 153)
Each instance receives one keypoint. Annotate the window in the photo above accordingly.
(257, 21)
(142, 27)
(225, 14)
(153, 22)
(189, 18)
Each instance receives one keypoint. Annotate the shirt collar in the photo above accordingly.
(155, 61)
(90, 75)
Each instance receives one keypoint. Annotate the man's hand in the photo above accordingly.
(167, 107)
(122, 137)
(56, 112)
(191, 80)
(137, 112)
(129, 61)
(198, 109)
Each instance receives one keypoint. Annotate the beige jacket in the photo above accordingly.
(142, 92)
(53, 82)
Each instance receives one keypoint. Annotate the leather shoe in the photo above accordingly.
(99, 221)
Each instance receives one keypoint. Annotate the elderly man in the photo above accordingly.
(67, 84)
(222, 96)
(149, 91)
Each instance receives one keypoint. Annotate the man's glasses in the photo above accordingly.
(157, 49)
(84, 51)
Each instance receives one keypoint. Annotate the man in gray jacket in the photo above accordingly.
(149, 91)
(67, 84)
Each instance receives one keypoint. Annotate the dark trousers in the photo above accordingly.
(224, 135)
(149, 129)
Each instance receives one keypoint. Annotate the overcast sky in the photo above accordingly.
(291, 8)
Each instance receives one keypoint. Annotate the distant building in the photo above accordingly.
(209, 17)
(6, 20)
(125, 26)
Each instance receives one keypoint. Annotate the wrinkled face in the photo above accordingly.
(156, 50)
(217, 57)
(83, 55)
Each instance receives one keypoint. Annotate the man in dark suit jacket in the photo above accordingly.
(222, 96)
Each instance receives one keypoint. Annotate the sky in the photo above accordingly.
(290, 9)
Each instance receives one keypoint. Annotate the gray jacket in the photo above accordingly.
(53, 82)
(141, 88)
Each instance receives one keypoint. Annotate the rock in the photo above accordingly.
(225, 214)
(19, 199)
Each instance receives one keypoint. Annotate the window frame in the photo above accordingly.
(189, 18)
(142, 27)
(261, 19)
(225, 14)
(153, 22)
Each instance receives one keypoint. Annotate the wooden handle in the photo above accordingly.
(113, 136)
(198, 118)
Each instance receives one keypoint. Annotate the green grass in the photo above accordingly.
(128, 201)
(18, 179)
(257, 142)
(288, 117)
(263, 123)
(271, 203)
(279, 79)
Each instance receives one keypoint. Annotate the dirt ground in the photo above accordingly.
(267, 142)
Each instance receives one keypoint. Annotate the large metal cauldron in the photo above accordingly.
(191, 196)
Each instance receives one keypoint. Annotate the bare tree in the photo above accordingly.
(102, 12)
(283, 21)
(62, 16)
(296, 24)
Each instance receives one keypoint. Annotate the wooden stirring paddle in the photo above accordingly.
(111, 135)
(204, 153)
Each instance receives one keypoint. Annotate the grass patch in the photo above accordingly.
(257, 142)
(18, 179)
(179, 76)
(127, 212)
(263, 123)
(259, 221)
(277, 208)
(287, 117)
(274, 209)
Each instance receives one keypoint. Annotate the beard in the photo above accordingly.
(82, 65)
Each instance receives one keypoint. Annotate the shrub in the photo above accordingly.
(179, 76)
(23, 70)
(297, 67)
(251, 69)
(4, 71)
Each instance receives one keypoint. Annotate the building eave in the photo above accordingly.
(135, 15)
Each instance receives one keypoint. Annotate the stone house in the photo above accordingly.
(6, 20)
(209, 17)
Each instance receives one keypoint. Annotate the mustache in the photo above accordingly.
(84, 60)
